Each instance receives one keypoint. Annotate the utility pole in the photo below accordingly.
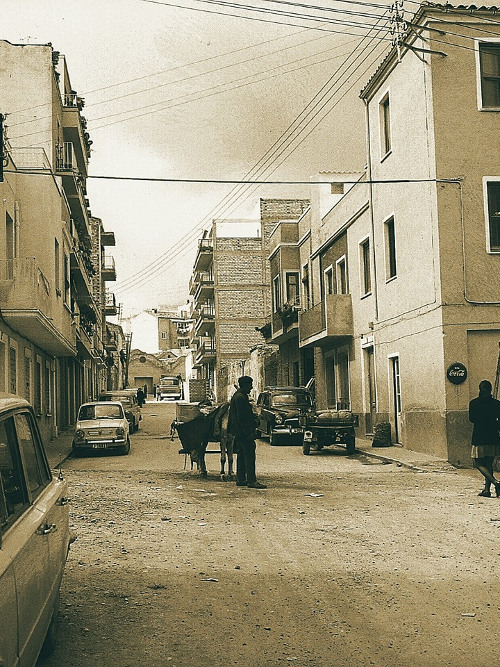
(399, 27)
(3, 154)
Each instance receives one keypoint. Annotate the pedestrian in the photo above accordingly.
(140, 397)
(484, 413)
(241, 424)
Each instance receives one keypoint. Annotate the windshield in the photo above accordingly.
(169, 382)
(124, 400)
(89, 412)
(291, 399)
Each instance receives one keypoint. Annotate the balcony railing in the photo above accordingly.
(326, 321)
(204, 256)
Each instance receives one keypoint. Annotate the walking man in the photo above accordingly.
(241, 424)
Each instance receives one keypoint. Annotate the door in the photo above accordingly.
(396, 398)
(371, 387)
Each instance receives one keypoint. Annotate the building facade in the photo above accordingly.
(399, 267)
(51, 348)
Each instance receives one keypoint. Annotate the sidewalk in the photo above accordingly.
(59, 449)
(402, 456)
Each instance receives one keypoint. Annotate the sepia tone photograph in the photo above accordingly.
(249, 333)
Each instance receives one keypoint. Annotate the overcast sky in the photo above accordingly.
(179, 93)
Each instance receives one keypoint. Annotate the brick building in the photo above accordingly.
(231, 293)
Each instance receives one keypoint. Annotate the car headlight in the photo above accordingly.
(120, 431)
(79, 435)
(278, 419)
(128, 414)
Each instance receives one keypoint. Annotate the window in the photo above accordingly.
(10, 248)
(27, 376)
(36, 469)
(493, 202)
(12, 370)
(67, 284)
(385, 126)
(342, 287)
(37, 398)
(306, 290)
(337, 380)
(328, 281)
(390, 249)
(489, 62)
(57, 267)
(276, 293)
(163, 335)
(292, 288)
(12, 487)
(366, 276)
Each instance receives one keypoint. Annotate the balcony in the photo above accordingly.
(68, 169)
(204, 256)
(75, 129)
(111, 342)
(108, 270)
(110, 306)
(206, 319)
(108, 238)
(29, 305)
(205, 351)
(84, 343)
(201, 286)
(284, 323)
(328, 322)
(81, 267)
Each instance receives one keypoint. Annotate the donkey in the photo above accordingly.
(196, 433)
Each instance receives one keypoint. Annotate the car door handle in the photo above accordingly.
(62, 501)
(46, 529)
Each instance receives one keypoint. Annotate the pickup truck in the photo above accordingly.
(329, 427)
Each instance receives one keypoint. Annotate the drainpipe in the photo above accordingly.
(372, 219)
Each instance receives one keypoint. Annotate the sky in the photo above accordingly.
(186, 92)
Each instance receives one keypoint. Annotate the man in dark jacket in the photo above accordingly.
(241, 424)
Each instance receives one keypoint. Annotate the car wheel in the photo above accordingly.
(306, 447)
(126, 448)
(350, 444)
(49, 643)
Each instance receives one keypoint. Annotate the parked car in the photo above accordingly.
(170, 387)
(101, 425)
(278, 410)
(34, 537)
(129, 401)
(329, 427)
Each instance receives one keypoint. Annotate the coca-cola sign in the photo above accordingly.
(456, 373)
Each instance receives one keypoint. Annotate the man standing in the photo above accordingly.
(241, 424)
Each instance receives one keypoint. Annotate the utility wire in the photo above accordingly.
(236, 193)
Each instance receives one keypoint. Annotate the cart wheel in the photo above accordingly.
(350, 445)
(306, 447)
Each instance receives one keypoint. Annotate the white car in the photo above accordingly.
(34, 537)
(101, 425)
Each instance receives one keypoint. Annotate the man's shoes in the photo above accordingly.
(485, 494)
(241, 484)
(256, 485)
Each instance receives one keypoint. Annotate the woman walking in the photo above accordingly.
(484, 413)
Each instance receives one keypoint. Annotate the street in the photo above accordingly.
(341, 561)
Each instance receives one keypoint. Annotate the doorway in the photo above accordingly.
(396, 398)
(371, 389)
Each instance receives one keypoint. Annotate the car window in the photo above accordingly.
(290, 398)
(37, 474)
(108, 411)
(11, 477)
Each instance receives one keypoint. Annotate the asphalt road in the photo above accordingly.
(341, 561)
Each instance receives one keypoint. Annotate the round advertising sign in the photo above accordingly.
(456, 373)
